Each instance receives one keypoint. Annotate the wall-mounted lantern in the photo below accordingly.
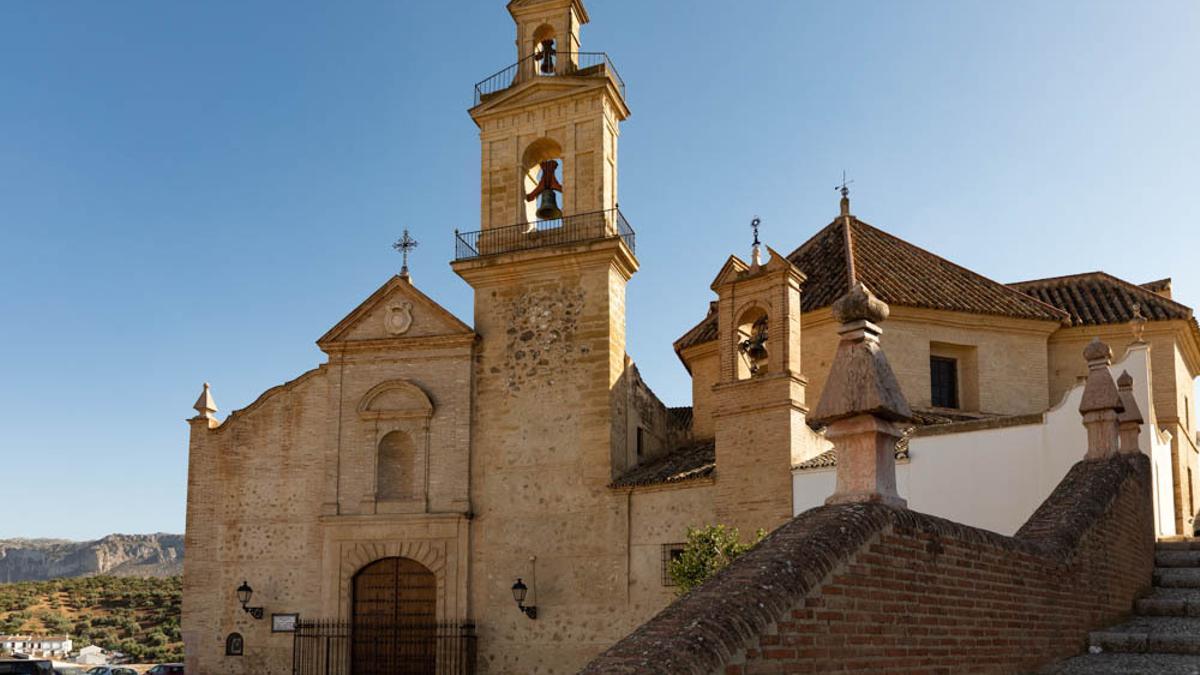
(244, 593)
(519, 590)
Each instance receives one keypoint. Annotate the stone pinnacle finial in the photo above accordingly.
(861, 404)
(860, 304)
(1130, 419)
(205, 405)
(1101, 402)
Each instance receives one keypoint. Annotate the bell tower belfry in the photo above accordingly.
(549, 265)
(760, 412)
(555, 104)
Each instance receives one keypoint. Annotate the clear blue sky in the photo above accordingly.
(197, 191)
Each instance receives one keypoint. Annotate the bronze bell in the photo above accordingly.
(548, 206)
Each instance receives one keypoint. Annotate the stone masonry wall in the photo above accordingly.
(870, 588)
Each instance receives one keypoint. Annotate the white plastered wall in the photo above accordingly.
(995, 478)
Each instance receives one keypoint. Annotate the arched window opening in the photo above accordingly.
(751, 343)
(545, 50)
(542, 167)
(397, 477)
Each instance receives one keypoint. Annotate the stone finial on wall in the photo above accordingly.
(1101, 402)
(1130, 419)
(205, 405)
(861, 404)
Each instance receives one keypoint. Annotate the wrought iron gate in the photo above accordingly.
(356, 648)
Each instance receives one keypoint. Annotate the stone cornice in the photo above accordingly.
(401, 344)
(506, 267)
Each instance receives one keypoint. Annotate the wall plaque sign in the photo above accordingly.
(284, 623)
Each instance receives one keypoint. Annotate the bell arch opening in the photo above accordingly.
(545, 50)
(751, 343)
(542, 172)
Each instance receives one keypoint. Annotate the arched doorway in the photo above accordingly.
(394, 614)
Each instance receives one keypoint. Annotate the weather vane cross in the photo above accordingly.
(844, 188)
(404, 245)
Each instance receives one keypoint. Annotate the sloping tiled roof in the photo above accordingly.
(897, 272)
(687, 463)
(681, 417)
(1098, 298)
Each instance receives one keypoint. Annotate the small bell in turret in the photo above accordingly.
(545, 191)
(755, 347)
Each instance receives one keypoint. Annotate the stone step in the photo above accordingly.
(1170, 602)
(1127, 664)
(1171, 558)
(1188, 544)
(1158, 635)
(1177, 577)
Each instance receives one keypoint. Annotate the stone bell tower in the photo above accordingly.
(549, 266)
(760, 410)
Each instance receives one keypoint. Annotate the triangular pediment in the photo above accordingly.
(398, 310)
(536, 91)
(730, 271)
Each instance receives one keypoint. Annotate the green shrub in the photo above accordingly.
(708, 551)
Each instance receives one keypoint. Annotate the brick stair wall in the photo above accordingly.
(866, 588)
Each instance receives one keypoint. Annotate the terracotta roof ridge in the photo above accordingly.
(1061, 277)
(1136, 288)
(1023, 296)
(1157, 283)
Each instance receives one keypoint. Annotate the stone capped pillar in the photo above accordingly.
(1101, 404)
(862, 405)
(1130, 419)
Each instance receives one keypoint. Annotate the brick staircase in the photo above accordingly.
(1164, 634)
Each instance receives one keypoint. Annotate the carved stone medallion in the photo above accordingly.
(399, 318)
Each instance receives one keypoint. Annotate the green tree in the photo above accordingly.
(708, 551)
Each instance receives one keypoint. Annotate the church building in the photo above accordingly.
(415, 504)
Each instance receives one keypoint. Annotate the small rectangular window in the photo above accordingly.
(641, 442)
(943, 380)
(670, 552)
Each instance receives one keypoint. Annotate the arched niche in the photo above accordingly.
(397, 468)
(399, 414)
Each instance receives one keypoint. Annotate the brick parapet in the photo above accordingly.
(868, 587)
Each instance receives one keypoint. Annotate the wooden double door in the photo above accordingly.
(394, 627)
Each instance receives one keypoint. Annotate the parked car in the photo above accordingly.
(111, 670)
(26, 666)
(166, 669)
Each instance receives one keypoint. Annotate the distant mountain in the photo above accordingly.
(126, 555)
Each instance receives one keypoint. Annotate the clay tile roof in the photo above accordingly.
(681, 417)
(1157, 286)
(1098, 298)
(687, 463)
(705, 331)
(897, 272)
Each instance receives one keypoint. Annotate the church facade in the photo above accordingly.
(433, 471)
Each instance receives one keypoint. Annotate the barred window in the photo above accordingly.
(670, 552)
(943, 379)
